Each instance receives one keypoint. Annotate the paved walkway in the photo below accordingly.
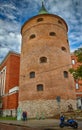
(46, 124)
(34, 123)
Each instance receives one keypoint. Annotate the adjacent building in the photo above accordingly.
(46, 86)
(78, 83)
(9, 84)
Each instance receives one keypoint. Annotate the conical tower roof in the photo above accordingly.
(43, 10)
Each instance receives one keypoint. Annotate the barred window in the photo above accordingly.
(40, 87)
(32, 74)
(43, 59)
(65, 74)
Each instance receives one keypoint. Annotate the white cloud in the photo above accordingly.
(15, 13)
(3, 53)
(10, 37)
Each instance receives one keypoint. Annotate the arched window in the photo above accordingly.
(40, 87)
(39, 19)
(52, 34)
(43, 59)
(32, 36)
(32, 75)
(65, 74)
(63, 48)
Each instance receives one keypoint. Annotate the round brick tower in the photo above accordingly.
(46, 86)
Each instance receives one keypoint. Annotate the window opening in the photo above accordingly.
(40, 87)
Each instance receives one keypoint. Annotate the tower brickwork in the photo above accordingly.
(44, 67)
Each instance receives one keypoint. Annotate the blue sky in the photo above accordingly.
(13, 14)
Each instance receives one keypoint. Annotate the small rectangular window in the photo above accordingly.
(73, 62)
(40, 87)
(65, 74)
(43, 59)
(32, 75)
(77, 86)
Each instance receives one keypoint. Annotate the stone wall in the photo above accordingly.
(46, 108)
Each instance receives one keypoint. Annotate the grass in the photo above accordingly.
(8, 118)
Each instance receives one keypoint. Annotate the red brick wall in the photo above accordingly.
(12, 63)
(13, 101)
(12, 72)
(78, 91)
(10, 101)
(49, 74)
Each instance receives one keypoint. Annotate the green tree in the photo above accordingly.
(78, 53)
(77, 73)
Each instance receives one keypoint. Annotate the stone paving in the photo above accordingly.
(33, 123)
(47, 124)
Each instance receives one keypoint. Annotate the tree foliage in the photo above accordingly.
(78, 53)
(77, 73)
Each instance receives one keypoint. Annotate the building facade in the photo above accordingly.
(9, 84)
(78, 83)
(46, 86)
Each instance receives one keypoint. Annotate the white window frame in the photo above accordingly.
(76, 85)
(73, 62)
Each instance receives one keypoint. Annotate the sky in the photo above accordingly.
(14, 13)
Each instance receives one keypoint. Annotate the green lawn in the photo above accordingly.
(8, 118)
